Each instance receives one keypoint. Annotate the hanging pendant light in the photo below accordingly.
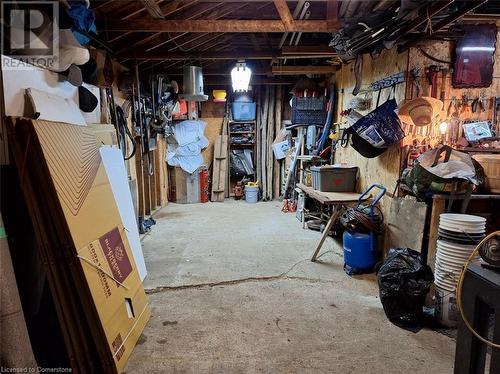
(240, 77)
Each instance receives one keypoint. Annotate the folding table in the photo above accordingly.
(337, 200)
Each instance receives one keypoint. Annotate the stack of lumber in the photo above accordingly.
(99, 299)
(220, 168)
(269, 110)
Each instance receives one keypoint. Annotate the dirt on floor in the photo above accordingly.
(232, 290)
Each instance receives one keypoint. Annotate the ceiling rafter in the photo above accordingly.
(226, 25)
(284, 12)
(250, 54)
(171, 8)
(155, 35)
(228, 11)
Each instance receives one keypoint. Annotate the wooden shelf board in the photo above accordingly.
(233, 121)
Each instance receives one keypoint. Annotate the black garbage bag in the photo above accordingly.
(404, 279)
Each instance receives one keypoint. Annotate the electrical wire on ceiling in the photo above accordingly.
(430, 57)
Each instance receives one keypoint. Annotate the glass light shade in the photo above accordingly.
(240, 77)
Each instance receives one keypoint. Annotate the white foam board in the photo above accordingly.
(115, 169)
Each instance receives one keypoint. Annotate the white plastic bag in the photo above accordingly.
(459, 164)
(190, 141)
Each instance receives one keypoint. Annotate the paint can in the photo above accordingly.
(251, 194)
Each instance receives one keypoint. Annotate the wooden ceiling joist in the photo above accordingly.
(153, 9)
(298, 70)
(275, 70)
(306, 50)
(284, 12)
(217, 82)
(252, 54)
(202, 26)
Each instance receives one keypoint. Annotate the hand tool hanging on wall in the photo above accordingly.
(432, 73)
(358, 68)
(415, 75)
(496, 109)
(328, 122)
(146, 122)
(119, 121)
(479, 104)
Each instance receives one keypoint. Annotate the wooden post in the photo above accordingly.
(258, 140)
(269, 144)
(277, 129)
(438, 206)
(139, 175)
(263, 156)
(147, 190)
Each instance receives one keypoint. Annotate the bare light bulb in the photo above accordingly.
(443, 127)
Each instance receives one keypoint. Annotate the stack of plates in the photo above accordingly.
(458, 236)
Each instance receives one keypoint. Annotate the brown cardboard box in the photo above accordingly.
(89, 207)
(83, 240)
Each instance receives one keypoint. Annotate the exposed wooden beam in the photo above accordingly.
(284, 12)
(224, 55)
(254, 1)
(153, 9)
(218, 82)
(306, 50)
(299, 70)
(197, 26)
(275, 70)
(170, 8)
(172, 37)
(332, 7)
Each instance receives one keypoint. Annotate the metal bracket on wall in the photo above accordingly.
(387, 82)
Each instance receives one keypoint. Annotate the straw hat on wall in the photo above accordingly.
(421, 111)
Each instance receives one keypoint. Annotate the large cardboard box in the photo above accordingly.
(90, 216)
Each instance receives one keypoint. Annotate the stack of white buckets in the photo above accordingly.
(458, 236)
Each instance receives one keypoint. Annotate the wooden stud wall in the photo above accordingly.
(152, 191)
(385, 168)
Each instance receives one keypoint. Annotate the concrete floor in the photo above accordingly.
(232, 291)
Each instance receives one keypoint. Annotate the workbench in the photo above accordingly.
(337, 200)
(439, 207)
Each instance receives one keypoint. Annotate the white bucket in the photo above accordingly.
(446, 306)
(251, 194)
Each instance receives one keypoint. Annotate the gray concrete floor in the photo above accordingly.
(232, 291)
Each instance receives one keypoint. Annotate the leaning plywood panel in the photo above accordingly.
(406, 223)
(117, 175)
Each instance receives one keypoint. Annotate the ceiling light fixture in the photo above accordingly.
(240, 77)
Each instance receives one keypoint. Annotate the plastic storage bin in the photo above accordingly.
(333, 178)
(309, 110)
(243, 111)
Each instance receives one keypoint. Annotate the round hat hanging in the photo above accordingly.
(421, 111)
